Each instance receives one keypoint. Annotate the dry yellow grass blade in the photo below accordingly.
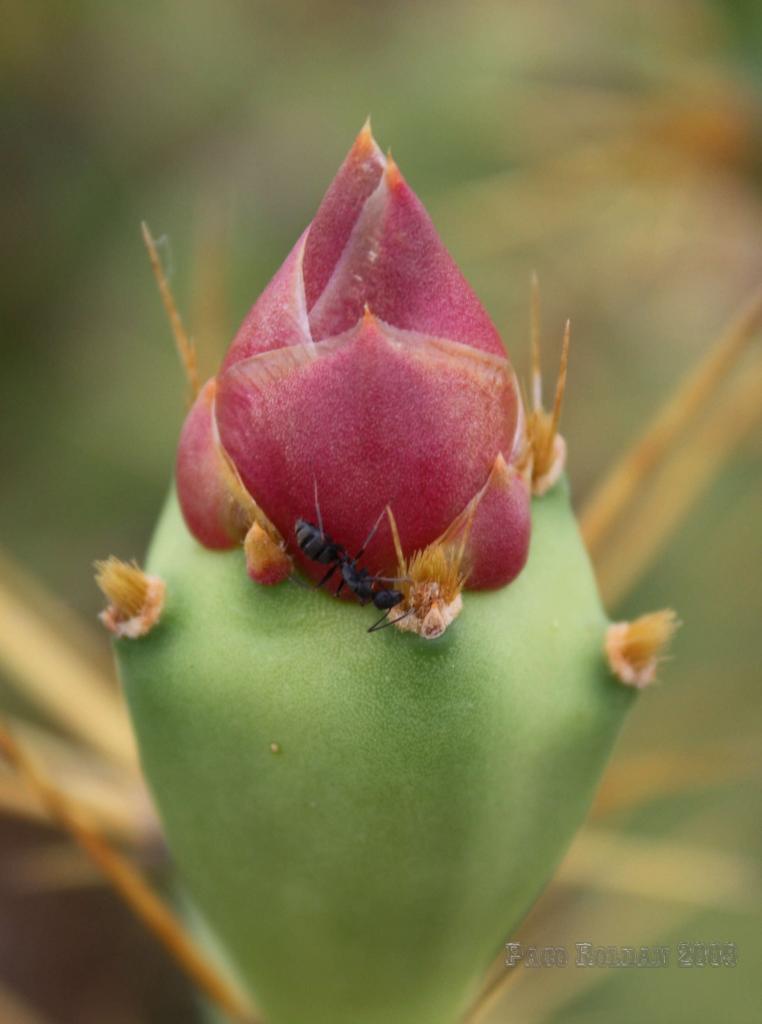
(15, 1010)
(50, 867)
(660, 880)
(532, 996)
(486, 216)
(500, 981)
(63, 682)
(79, 633)
(128, 883)
(666, 873)
(612, 498)
(664, 870)
(678, 486)
(113, 799)
(640, 778)
(121, 821)
(18, 802)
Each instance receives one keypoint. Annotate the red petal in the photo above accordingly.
(395, 263)
(203, 478)
(370, 243)
(498, 539)
(279, 316)
(377, 416)
(329, 232)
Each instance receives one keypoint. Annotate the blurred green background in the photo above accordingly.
(616, 148)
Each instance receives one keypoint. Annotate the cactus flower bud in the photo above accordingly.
(367, 368)
(424, 785)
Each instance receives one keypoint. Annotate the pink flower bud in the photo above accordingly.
(368, 371)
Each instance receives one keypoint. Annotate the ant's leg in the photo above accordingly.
(379, 622)
(328, 575)
(385, 621)
(300, 583)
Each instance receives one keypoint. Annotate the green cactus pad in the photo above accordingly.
(364, 819)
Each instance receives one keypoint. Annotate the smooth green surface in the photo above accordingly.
(368, 872)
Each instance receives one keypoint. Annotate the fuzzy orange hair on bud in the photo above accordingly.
(432, 581)
(136, 600)
(635, 649)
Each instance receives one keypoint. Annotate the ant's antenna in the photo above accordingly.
(371, 535)
(317, 508)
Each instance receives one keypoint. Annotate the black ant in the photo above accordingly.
(318, 546)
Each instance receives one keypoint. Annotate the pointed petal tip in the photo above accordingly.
(364, 143)
(393, 174)
(501, 471)
(495, 527)
(267, 561)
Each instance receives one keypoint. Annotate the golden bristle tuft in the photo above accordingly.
(135, 599)
(545, 448)
(124, 584)
(635, 649)
(431, 580)
(548, 448)
(441, 563)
